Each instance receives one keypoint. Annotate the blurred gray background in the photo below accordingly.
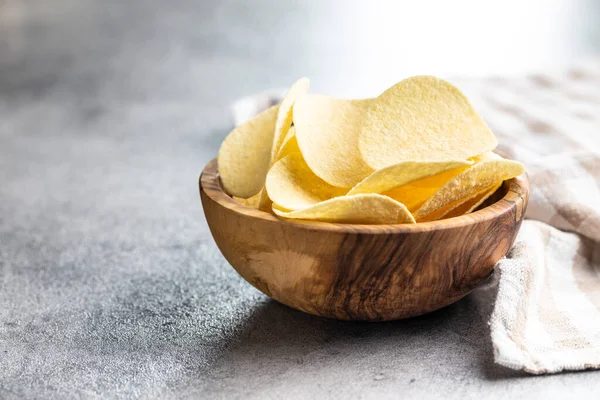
(110, 283)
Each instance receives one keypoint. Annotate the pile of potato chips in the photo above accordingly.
(417, 152)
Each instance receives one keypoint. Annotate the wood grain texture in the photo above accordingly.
(364, 272)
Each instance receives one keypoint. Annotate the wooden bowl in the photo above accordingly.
(363, 272)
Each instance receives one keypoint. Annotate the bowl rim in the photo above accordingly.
(517, 191)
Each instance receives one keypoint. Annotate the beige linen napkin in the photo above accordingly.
(546, 316)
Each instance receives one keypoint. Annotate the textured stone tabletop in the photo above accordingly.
(110, 283)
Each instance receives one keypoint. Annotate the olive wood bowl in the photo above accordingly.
(364, 272)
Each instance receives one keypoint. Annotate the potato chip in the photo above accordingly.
(397, 175)
(459, 207)
(244, 155)
(482, 175)
(264, 202)
(290, 134)
(249, 202)
(476, 202)
(358, 209)
(289, 146)
(285, 114)
(471, 204)
(291, 184)
(327, 132)
(419, 152)
(259, 201)
(415, 193)
(422, 118)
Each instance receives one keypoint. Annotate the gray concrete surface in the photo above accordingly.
(110, 284)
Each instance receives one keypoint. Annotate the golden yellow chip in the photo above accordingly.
(415, 193)
(264, 202)
(244, 155)
(327, 132)
(422, 118)
(285, 114)
(358, 209)
(289, 146)
(474, 203)
(291, 133)
(491, 170)
(249, 202)
(471, 204)
(292, 185)
(397, 175)
(419, 152)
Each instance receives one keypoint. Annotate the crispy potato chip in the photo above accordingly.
(327, 132)
(480, 199)
(461, 206)
(259, 201)
(289, 146)
(249, 202)
(417, 152)
(292, 185)
(471, 204)
(358, 209)
(243, 159)
(290, 134)
(264, 202)
(415, 193)
(422, 118)
(401, 174)
(482, 175)
(285, 114)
